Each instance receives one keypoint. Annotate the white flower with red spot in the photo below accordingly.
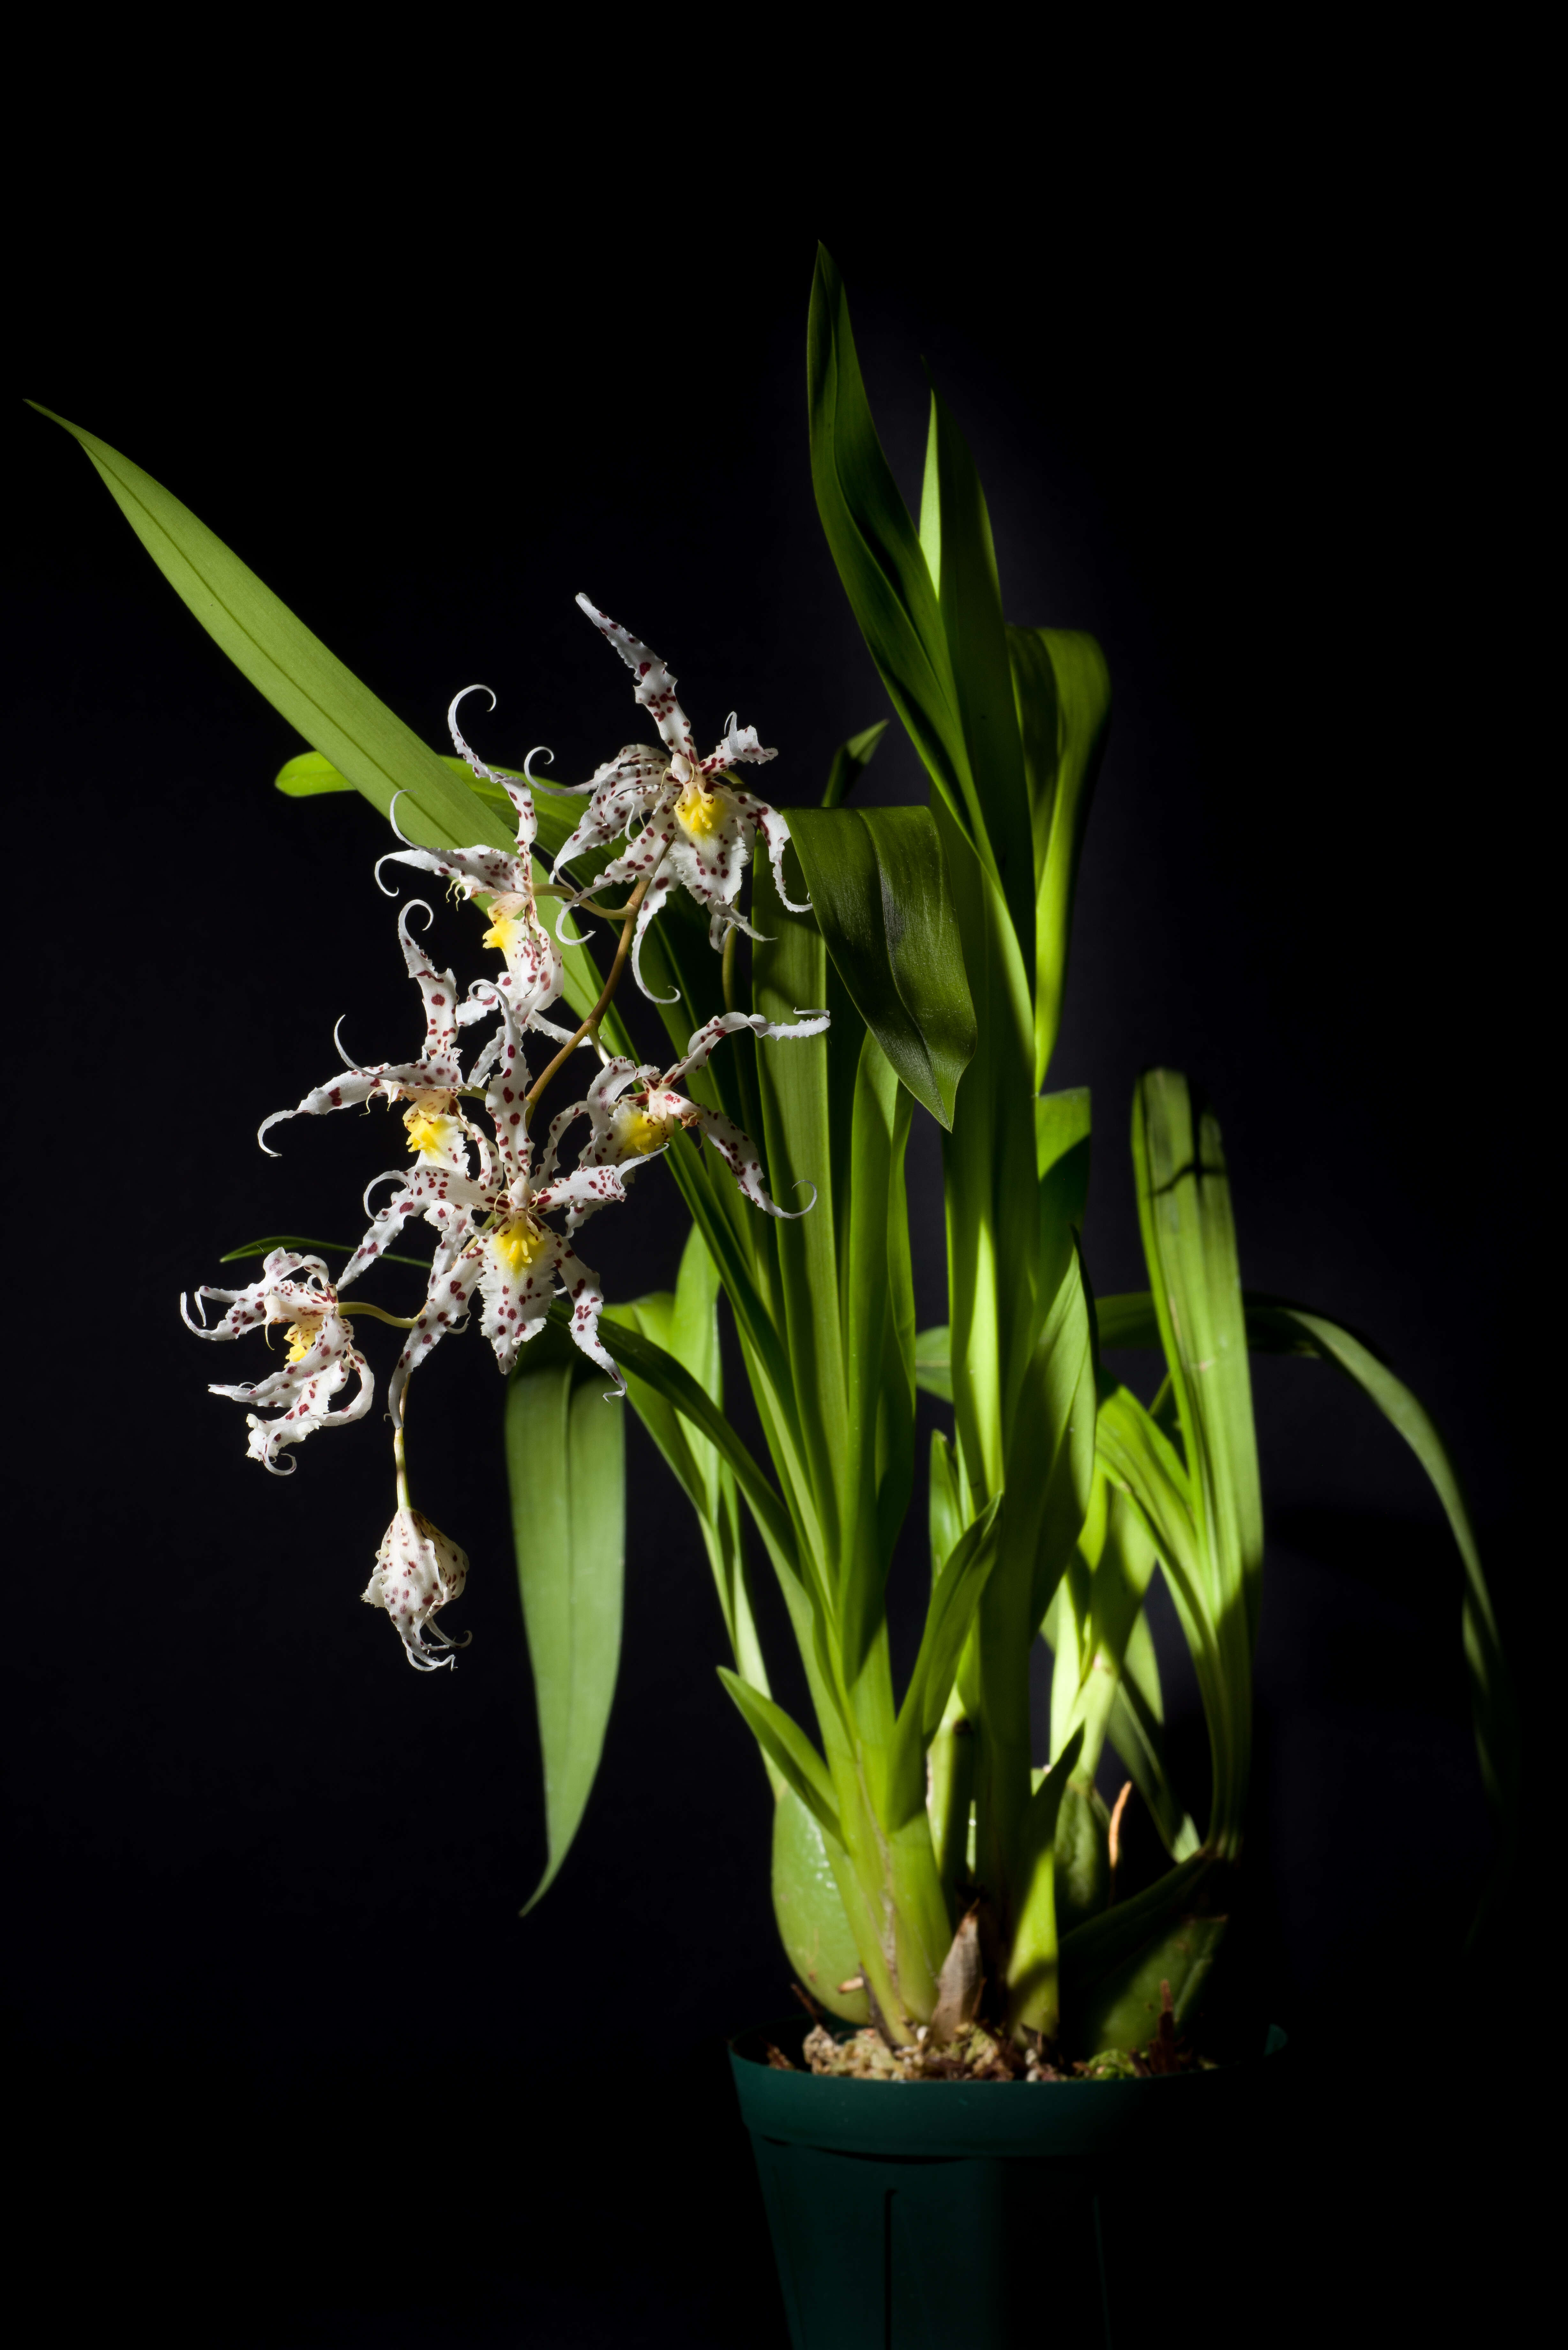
(321, 1352)
(697, 829)
(430, 1084)
(635, 1112)
(492, 1237)
(534, 976)
(419, 1570)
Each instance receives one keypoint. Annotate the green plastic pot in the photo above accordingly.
(948, 2215)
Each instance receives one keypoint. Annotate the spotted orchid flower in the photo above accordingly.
(429, 1084)
(491, 1236)
(293, 1290)
(419, 1570)
(533, 977)
(635, 1112)
(696, 829)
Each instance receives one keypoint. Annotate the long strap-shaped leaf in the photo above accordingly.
(874, 544)
(304, 684)
(1062, 689)
(960, 556)
(1190, 1242)
(668, 1378)
(566, 1464)
(1274, 1326)
(878, 884)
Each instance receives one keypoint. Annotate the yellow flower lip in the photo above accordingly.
(699, 811)
(427, 1130)
(519, 1242)
(301, 1336)
(641, 1133)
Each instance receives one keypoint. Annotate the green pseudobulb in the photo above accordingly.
(811, 1921)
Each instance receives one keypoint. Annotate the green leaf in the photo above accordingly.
(308, 685)
(1122, 2009)
(1062, 1142)
(566, 1464)
(1190, 1246)
(1046, 1802)
(309, 776)
(878, 886)
(1492, 1700)
(685, 1324)
(1276, 1326)
(638, 1354)
(875, 546)
(933, 1371)
(335, 1248)
(1129, 1319)
(788, 1748)
(850, 762)
(1138, 1733)
(1062, 689)
(1032, 1978)
(1184, 1207)
(877, 1319)
(1140, 1460)
(809, 1911)
(960, 556)
(950, 1506)
(955, 1593)
(1093, 1951)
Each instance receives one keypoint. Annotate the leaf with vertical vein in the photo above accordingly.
(874, 544)
(1189, 1241)
(850, 762)
(565, 1465)
(878, 886)
(292, 667)
(960, 556)
(1061, 688)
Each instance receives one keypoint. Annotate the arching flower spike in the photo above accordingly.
(321, 1352)
(697, 829)
(635, 1112)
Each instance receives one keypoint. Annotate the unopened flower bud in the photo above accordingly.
(418, 1570)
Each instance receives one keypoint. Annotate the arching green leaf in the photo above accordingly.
(292, 667)
(878, 886)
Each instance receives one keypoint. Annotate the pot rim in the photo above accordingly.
(1058, 2119)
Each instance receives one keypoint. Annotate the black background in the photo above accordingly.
(283, 2032)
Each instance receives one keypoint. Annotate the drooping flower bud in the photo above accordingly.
(418, 1570)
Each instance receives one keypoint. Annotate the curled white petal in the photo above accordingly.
(570, 906)
(458, 743)
(387, 1175)
(392, 820)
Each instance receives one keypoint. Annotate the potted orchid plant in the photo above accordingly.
(952, 1891)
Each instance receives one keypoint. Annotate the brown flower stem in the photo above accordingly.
(590, 1026)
